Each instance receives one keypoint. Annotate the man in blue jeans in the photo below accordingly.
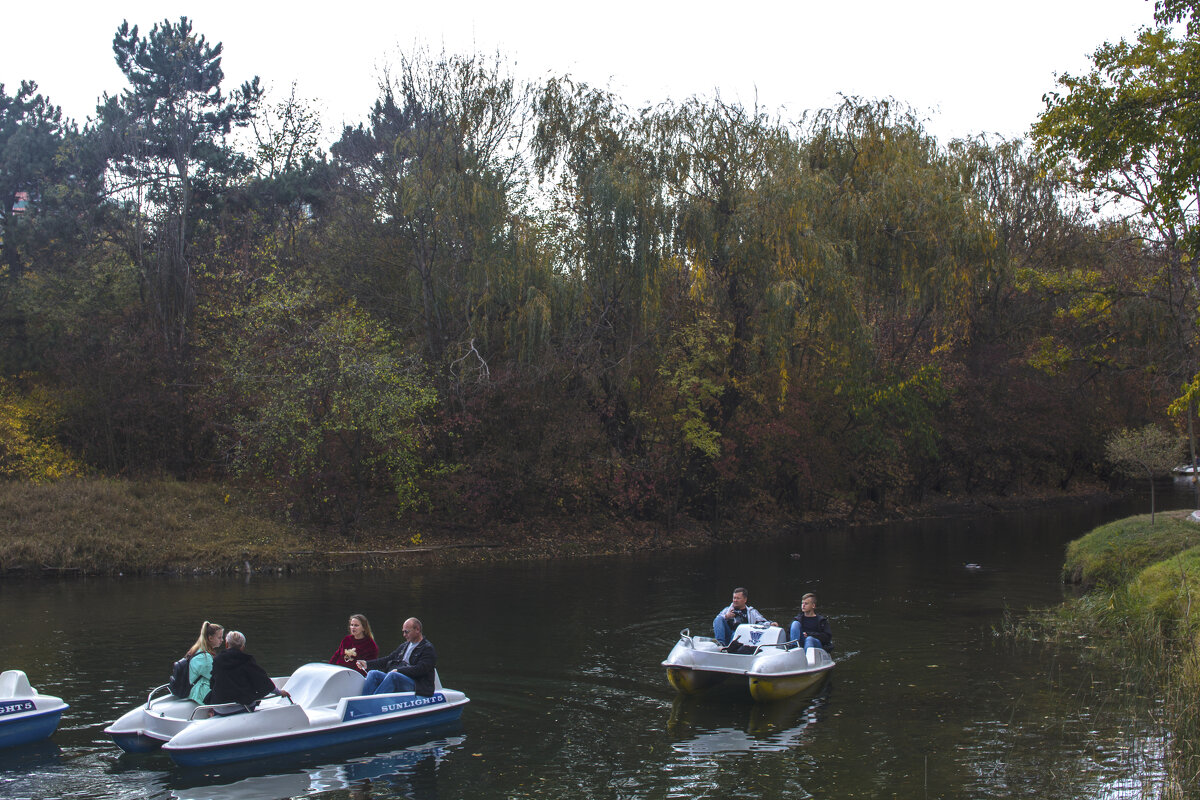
(734, 614)
(408, 668)
(810, 628)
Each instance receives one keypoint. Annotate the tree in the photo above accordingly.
(1128, 133)
(430, 200)
(169, 152)
(320, 403)
(1149, 450)
(31, 132)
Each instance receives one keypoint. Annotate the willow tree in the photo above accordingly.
(432, 186)
(608, 220)
(916, 247)
(742, 200)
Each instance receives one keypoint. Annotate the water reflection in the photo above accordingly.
(700, 724)
(409, 772)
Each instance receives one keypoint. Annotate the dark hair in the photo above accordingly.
(740, 590)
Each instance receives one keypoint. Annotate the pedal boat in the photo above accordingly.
(25, 715)
(326, 708)
(774, 670)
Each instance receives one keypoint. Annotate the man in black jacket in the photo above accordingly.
(237, 677)
(810, 628)
(408, 668)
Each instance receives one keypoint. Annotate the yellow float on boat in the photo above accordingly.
(774, 669)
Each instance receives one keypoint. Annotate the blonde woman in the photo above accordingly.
(200, 659)
(357, 645)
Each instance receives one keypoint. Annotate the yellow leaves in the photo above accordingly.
(1050, 357)
(28, 450)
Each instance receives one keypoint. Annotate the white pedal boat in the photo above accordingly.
(774, 670)
(326, 708)
(25, 715)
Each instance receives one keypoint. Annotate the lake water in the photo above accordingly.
(561, 661)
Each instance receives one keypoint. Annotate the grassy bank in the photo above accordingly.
(99, 526)
(96, 526)
(1142, 611)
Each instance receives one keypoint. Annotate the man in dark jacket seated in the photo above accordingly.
(237, 677)
(408, 668)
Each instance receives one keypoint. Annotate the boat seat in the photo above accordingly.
(323, 685)
(14, 683)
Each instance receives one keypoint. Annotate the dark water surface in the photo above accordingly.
(562, 663)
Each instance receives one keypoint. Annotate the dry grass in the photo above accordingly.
(99, 526)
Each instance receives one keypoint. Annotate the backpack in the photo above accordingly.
(181, 678)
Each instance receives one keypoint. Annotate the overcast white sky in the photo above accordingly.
(968, 66)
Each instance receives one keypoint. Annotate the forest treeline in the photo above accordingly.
(495, 299)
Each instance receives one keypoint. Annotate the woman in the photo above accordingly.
(358, 645)
(201, 659)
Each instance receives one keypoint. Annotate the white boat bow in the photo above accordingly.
(26, 715)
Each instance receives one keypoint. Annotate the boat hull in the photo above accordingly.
(768, 689)
(771, 673)
(185, 753)
(324, 707)
(693, 681)
(26, 715)
(28, 728)
(148, 727)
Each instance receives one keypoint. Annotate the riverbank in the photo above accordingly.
(93, 526)
(1143, 580)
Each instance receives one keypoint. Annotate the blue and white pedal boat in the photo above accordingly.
(326, 708)
(25, 715)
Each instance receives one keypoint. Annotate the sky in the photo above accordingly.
(966, 66)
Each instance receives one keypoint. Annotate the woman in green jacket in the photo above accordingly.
(201, 659)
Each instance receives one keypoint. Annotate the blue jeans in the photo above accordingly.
(809, 641)
(387, 683)
(723, 629)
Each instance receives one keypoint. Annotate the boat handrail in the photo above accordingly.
(156, 690)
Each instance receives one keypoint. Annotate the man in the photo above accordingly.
(734, 614)
(408, 668)
(237, 677)
(809, 627)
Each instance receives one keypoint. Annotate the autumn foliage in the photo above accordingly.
(493, 301)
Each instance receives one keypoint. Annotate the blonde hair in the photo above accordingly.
(362, 618)
(206, 630)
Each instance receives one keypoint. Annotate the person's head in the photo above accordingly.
(359, 627)
(235, 640)
(412, 630)
(209, 640)
(739, 598)
(808, 603)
